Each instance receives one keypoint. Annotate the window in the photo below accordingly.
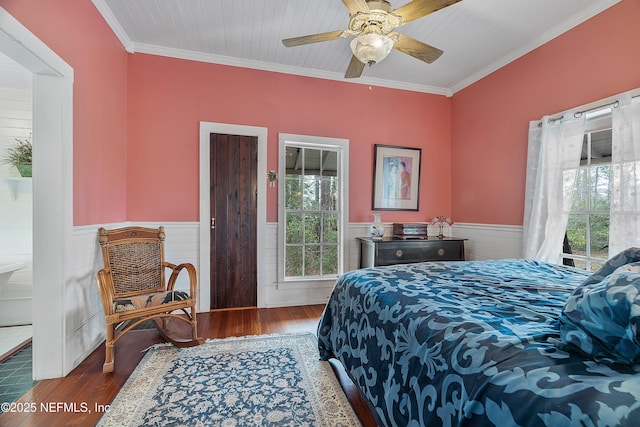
(313, 209)
(588, 225)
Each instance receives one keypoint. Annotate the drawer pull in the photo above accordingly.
(399, 253)
(440, 252)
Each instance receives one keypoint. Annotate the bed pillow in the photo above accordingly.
(602, 315)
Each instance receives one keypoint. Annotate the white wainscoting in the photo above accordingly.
(85, 325)
(490, 241)
(485, 241)
(85, 321)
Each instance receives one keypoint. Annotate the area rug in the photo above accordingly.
(275, 380)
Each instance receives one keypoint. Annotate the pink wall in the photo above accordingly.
(79, 35)
(169, 97)
(490, 118)
(136, 118)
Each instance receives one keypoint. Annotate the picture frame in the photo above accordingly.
(396, 178)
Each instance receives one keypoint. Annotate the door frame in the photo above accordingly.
(52, 192)
(206, 129)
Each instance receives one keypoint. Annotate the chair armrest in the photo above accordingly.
(175, 271)
(106, 291)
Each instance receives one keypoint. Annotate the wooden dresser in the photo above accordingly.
(390, 251)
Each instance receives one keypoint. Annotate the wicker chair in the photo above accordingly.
(133, 290)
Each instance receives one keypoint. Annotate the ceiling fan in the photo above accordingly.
(372, 24)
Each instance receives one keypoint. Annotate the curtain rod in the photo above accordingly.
(577, 114)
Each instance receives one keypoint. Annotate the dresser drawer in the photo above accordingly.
(444, 251)
(399, 254)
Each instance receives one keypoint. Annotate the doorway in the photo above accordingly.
(262, 271)
(52, 191)
(233, 204)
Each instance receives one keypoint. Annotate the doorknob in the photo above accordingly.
(213, 223)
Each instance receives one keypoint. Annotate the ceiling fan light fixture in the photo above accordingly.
(371, 48)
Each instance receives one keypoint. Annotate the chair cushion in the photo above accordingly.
(148, 300)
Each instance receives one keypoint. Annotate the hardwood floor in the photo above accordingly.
(76, 399)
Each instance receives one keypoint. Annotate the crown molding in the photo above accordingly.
(117, 29)
(279, 68)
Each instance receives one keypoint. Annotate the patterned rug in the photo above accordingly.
(275, 380)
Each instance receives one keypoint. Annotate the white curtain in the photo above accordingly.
(553, 159)
(624, 228)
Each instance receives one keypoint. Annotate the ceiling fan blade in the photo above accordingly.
(418, 8)
(356, 6)
(417, 49)
(355, 68)
(313, 38)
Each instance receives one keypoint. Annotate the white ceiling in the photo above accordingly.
(477, 36)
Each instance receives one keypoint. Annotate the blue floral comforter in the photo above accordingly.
(471, 344)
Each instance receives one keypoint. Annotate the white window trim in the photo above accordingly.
(341, 145)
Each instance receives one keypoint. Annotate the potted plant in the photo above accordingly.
(19, 155)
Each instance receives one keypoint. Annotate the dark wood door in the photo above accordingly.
(234, 200)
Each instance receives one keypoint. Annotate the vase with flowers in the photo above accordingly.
(441, 221)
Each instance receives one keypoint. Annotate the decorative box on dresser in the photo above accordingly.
(390, 250)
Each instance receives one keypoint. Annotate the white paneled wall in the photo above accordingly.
(16, 236)
(490, 241)
(485, 242)
(85, 323)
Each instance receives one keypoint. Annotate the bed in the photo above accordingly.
(490, 343)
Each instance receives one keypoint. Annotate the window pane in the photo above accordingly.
(312, 228)
(580, 200)
(311, 197)
(293, 261)
(312, 260)
(330, 228)
(293, 192)
(311, 161)
(293, 160)
(601, 188)
(569, 180)
(329, 189)
(329, 163)
(577, 233)
(599, 229)
(294, 228)
(330, 259)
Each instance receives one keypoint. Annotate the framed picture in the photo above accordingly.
(396, 178)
